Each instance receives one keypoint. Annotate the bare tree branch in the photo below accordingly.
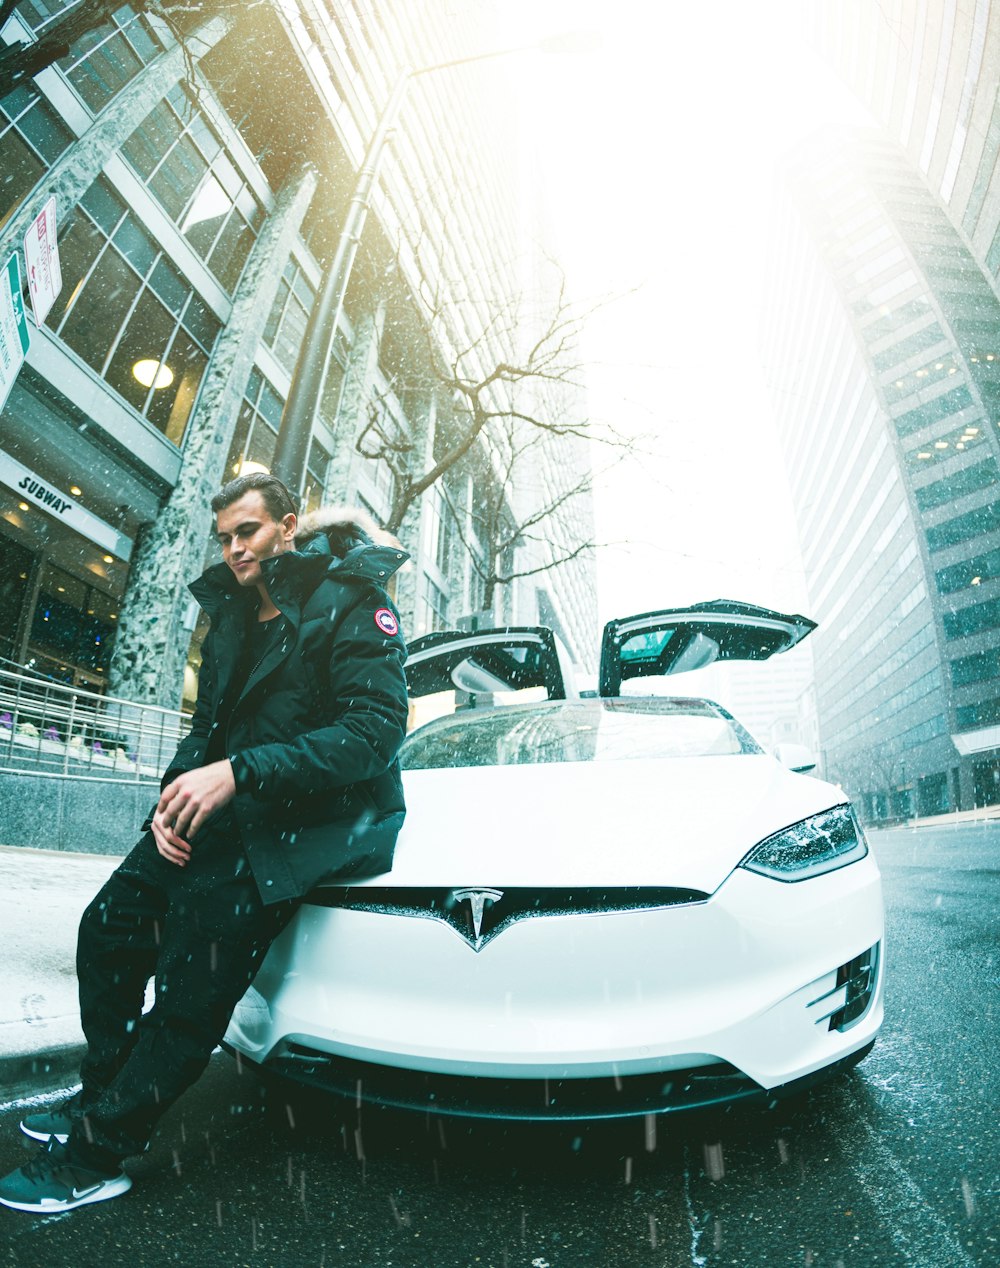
(6, 11)
(506, 374)
(507, 578)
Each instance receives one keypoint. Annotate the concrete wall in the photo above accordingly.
(90, 817)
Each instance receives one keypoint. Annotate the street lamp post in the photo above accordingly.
(306, 390)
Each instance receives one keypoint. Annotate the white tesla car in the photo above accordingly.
(599, 906)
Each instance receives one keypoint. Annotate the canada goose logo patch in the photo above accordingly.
(386, 622)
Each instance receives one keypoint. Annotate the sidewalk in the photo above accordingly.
(42, 896)
(956, 816)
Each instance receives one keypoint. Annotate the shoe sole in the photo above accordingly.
(45, 1137)
(62, 1138)
(111, 1189)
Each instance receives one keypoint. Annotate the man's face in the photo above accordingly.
(247, 534)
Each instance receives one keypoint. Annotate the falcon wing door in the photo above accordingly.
(453, 669)
(679, 639)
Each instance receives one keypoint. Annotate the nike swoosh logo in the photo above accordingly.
(82, 1193)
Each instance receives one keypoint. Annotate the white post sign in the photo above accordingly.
(41, 255)
(14, 338)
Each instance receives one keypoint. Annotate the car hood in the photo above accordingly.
(686, 822)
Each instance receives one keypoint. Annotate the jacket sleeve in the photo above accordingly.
(191, 749)
(368, 709)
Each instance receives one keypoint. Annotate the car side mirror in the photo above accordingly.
(796, 757)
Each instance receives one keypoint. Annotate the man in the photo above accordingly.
(288, 776)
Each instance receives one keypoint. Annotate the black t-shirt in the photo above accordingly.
(257, 639)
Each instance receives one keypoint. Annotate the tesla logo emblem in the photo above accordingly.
(478, 898)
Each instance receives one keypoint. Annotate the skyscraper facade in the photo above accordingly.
(930, 74)
(884, 355)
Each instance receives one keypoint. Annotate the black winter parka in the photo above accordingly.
(314, 734)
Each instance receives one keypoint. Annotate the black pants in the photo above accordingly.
(200, 932)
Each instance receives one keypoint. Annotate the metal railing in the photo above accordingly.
(48, 728)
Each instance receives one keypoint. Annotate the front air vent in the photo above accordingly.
(479, 914)
(859, 976)
(527, 1099)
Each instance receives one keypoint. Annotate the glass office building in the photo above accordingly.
(883, 345)
(200, 192)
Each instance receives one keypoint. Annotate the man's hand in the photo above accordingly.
(168, 842)
(187, 802)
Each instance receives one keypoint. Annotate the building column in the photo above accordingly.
(355, 397)
(151, 645)
(73, 174)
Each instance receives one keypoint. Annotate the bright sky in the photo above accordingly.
(658, 153)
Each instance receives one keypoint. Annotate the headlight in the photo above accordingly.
(818, 844)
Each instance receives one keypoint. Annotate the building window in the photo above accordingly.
(477, 579)
(993, 255)
(434, 525)
(257, 428)
(902, 351)
(436, 606)
(932, 794)
(960, 483)
(971, 717)
(970, 572)
(316, 473)
(187, 168)
(366, 505)
(895, 320)
(446, 542)
(286, 324)
(16, 564)
(440, 530)
(986, 781)
(32, 137)
(105, 59)
(333, 384)
(943, 446)
(958, 399)
(380, 486)
(901, 803)
(72, 630)
(973, 619)
(984, 519)
(127, 312)
(982, 667)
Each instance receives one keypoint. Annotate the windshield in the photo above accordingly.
(584, 731)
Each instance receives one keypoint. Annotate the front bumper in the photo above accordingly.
(727, 999)
(537, 1100)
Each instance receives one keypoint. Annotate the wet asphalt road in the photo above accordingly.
(894, 1165)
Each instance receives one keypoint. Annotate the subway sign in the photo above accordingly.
(31, 488)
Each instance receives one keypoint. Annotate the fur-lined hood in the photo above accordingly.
(344, 527)
(341, 541)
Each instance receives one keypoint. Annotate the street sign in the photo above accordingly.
(41, 255)
(14, 336)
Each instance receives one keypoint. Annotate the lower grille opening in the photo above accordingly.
(859, 976)
(537, 1099)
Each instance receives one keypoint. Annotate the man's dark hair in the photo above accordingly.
(278, 501)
